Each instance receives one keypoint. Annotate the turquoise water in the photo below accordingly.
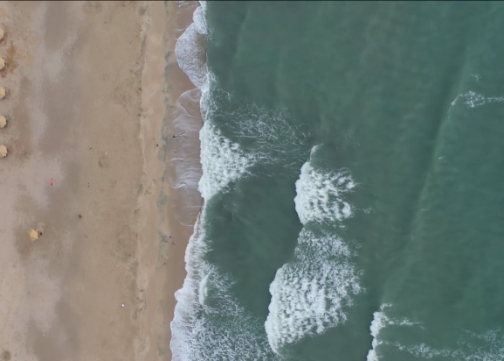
(353, 177)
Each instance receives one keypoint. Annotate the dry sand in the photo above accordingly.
(89, 107)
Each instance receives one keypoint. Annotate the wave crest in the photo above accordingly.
(309, 293)
(320, 195)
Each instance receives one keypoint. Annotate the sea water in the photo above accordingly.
(352, 159)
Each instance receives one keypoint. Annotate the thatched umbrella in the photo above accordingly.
(2, 92)
(3, 121)
(33, 234)
(3, 151)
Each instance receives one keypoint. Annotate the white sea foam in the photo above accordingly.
(203, 289)
(472, 99)
(199, 19)
(191, 54)
(225, 161)
(488, 346)
(269, 128)
(309, 293)
(222, 160)
(191, 57)
(424, 351)
(380, 321)
(320, 195)
(208, 323)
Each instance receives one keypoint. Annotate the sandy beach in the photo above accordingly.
(91, 90)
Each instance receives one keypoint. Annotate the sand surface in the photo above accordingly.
(89, 106)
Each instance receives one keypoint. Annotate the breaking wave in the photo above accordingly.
(487, 346)
(380, 321)
(209, 323)
(190, 50)
(310, 293)
(222, 160)
(320, 195)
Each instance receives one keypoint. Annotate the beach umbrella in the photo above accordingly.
(33, 234)
(3, 151)
(2, 63)
(2, 92)
(3, 122)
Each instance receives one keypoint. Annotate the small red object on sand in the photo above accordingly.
(51, 182)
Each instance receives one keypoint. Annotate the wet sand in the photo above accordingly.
(89, 106)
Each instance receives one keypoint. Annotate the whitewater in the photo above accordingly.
(309, 294)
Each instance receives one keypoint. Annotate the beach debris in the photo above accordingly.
(51, 182)
(80, 215)
(2, 92)
(3, 151)
(122, 305)
(3, 121)
(2, 63)
(34, 234)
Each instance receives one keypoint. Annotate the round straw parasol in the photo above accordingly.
(3, 151)
(3, 121)
(33, 234)
(2, 92)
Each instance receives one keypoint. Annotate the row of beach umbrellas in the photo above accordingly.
(33, 234)
(3, 148)
(3, 121)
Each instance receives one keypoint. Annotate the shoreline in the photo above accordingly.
(160, 219)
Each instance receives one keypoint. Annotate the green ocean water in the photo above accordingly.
(353, 159)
